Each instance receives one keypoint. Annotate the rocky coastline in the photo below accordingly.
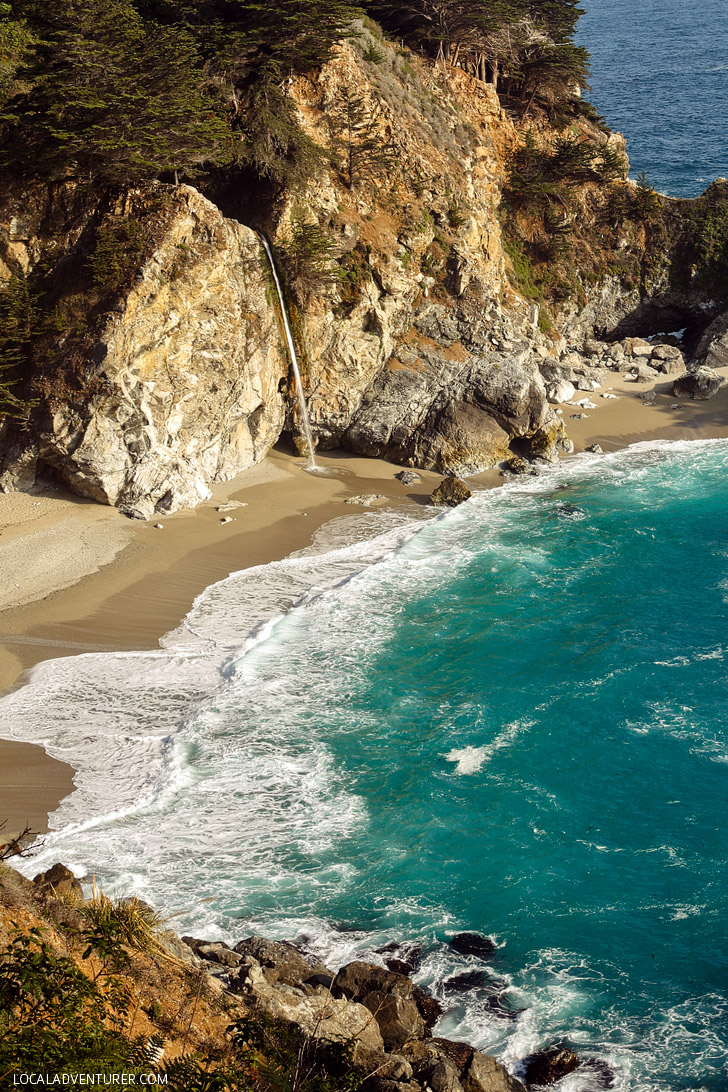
(391, 1021)
(383, 1021)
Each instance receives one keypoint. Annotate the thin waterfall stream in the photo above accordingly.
(292, 351)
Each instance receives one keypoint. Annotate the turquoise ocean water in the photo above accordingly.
(660, 76)
(509, 719)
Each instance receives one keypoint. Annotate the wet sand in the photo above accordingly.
(76, 576)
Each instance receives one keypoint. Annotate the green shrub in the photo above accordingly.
(455, 215)
(52, 1017)
(522, 266)
(646, 203)
(118, 251)
(21, 324)
(308, 257)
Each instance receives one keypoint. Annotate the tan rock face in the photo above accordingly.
(318, 1014)
(415, 349)
(182, 387)
(425, 231)
(450, 493)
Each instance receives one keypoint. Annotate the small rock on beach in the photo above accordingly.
(450, 493)
(366, 499)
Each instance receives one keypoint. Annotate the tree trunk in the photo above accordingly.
(530, 101)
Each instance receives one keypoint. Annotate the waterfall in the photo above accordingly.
(292, 351)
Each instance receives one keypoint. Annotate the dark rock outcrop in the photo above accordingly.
(357, 979)
(408, 957)
(452, 1066)
(384, 1016)
(550, 1065)
(450, 493)
(464, 439)
(58, 882)
(428, 1006)
(700, 384)
(388, 995)
(399, 1020)
(468, 980)
(280, 960)
(473, 944)
(712, 349)
(215, 951)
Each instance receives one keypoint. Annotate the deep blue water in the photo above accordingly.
(660, 76)
(514, 722)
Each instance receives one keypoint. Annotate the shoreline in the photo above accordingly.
(122, 585)
(131, 600)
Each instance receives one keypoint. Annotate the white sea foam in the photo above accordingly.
(472, 759)
(119, 718)
(130, 722)
(469, 759)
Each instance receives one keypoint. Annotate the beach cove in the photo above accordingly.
(99, 582)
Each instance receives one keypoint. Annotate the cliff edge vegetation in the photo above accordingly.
(99, 986)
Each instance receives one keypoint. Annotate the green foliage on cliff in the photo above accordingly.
(116, 91)
(57, 312)
(59, 1015)
(541, 173)
(53, 1017)
(14, 41)
(119, 247)
(19, 320)
(356, 142)
(308, 259)
(563, 205)
(109, 97)
(524, 47)
(698, 232)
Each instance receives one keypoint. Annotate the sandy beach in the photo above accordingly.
(77, 576)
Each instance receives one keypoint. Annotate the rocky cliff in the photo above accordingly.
(135, 997)
(427, 357)
(156, 365)
(174, 378)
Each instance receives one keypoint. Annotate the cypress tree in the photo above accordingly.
(14, 40)
(112, 98)
(19, 317)
(357, 143)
